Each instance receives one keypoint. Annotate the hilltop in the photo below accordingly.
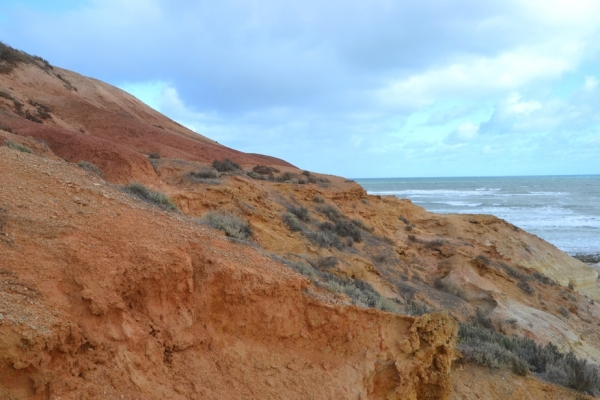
(307, 288)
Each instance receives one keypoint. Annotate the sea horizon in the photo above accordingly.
(477, 176)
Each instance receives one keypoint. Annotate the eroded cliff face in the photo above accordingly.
(102, 294)
(448, 262)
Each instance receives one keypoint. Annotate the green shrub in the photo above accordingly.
(154, 156)
(348, 229)
(203, 173)
(362, 225)
(380, 257)
(264, 170)
(300, 212)
(325, 239)
(42, 109)
(259, 177)
(319, 199)
(331, 212)
(10, 57)
(285, 177)
(526, 288)
(480, 343)
(88, 166)
(361, 293)
(333, 287)
(226, 166)
(564, 312)
(292, 222)
(304, 269)
(32, 118)
(543, 279)
(17, 146)
(435, 243)
(156, 198)
(387, 240)
(416, 308)
(324, 263)
(232, 225)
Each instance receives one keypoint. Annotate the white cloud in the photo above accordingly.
(590, 83)
(463, 133)
(467, 131)
(478, 77)
(514, 105)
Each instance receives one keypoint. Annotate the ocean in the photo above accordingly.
(563, 210)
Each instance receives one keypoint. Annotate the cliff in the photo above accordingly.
(104, 295)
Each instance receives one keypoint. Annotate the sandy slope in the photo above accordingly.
(102, 294)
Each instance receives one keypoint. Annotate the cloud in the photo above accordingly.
(591, 83)
(463, 133)
(448, 114)
(576, 114)
(476, 77)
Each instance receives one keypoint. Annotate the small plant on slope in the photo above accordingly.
(232, 225)
(143, 193)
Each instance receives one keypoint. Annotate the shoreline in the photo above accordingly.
(592, 260)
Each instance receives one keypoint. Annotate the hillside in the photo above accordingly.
(316, 290)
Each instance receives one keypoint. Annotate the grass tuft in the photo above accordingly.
(88, 166)
(156, 198)
(17, 146)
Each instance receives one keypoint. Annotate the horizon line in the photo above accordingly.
(479, 176)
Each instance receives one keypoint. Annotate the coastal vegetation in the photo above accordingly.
(88, 166)
(17, 146)
(480, 343)
(232, 225)
(150, 196)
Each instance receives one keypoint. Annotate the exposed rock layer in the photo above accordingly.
(102, 294)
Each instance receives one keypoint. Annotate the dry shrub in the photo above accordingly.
(232, 225)
(88, 166)
(17, 146)
(226, 166)
(292, 222)
(156, 198)
(300, 212)
(480, 343)
(203, 173)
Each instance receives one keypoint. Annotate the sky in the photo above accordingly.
(379, 88)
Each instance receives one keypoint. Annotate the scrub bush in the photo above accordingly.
(156, 198)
